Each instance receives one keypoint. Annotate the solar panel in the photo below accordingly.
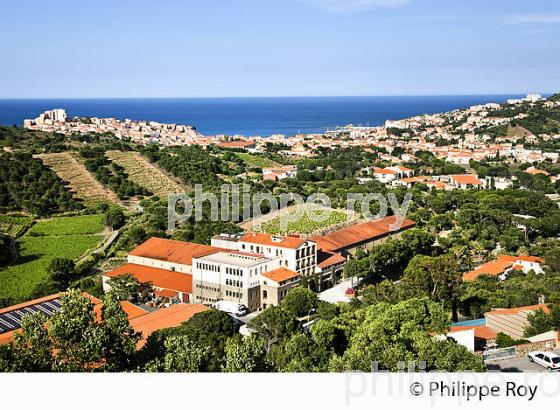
(12, 320)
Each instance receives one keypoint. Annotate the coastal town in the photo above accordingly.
(477, 246)
(457, 136)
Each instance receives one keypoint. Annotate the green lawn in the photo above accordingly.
(256, 161)
(303, 225)
(67, 237)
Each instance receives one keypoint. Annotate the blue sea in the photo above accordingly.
(249, 116)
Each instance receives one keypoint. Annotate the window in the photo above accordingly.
(265, 294)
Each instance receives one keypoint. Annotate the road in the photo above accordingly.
(338, 292)
(516, 364)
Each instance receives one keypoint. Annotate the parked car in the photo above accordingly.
(549, 360)
(233, 308)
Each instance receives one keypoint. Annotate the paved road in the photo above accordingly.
(517, 364)
(338, 292)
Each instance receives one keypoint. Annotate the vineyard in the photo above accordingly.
(79, 179)
(303, 225)
(144, 173)
(68, 237)
(255, 160)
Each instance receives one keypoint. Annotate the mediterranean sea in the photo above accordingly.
(249, 116)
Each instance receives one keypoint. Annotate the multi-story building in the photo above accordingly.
(297, 254)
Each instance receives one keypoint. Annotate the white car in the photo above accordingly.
(549, 360)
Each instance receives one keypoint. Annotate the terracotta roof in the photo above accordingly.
(172, 251)
(514, 311)
(166, 293)
(384, 171)
(536, 171)
(466, 179)
(326, 259)
(164, 318)
(235, 144)
(357, 234)
(499, 266)
(480, 332)
(160, 278)
(280, 274)
(131, 310)
(271, 240)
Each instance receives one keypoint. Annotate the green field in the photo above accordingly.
(14, 224)
(256, 161)
(67, 237)
(303, 225)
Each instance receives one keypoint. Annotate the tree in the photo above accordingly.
(435, 277)
(124, 287)
(244, 355)
(211, 328)
(118, 339)
(61, 272)
(32, 346)
(541, 321)
(300, 301)
(183, 355)
(393, 336)
(273, 325)
(114, 218)
(74, 334)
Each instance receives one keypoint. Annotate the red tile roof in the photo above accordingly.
(269, 240)
(499, 266)
(280, 274)
(365, 232)
(327, 259)
(131, 310)
(466, 179)
(235, 144)
(480, 332)
(514, 311)
(164, 318)
(160, 278)
(172, 251)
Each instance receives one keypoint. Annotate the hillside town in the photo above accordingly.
(476, 247)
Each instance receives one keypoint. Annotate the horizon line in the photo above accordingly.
(280, 96)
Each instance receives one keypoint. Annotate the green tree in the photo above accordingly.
(273, 325)
(32, 346)
(435, 277)
(118, 339)
(183, 355)
(300, 301)
(114, 218)
(125, 286)
(61, 272)
(74, 334)
(394, 336)
(244, 355)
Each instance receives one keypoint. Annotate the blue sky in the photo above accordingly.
(215, 48)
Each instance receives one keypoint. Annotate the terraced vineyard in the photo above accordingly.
(66, 237)
(144, 173)
(79, 179)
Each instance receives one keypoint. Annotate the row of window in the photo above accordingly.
(205, 287)
(260, 249)
(236, 283)
(208, 266)
(309, 250)
(233, 294)
(233, 271)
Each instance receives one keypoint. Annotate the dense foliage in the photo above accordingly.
(26, 184)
